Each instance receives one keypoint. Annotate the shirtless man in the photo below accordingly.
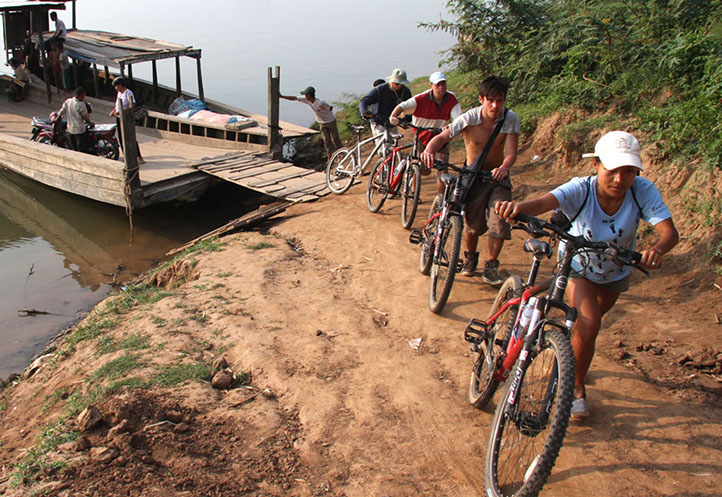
(476, 126)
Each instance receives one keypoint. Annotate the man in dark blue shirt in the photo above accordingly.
(386, 97)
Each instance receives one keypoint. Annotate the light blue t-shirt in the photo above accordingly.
(619, 228)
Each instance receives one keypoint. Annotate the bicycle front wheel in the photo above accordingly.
(444, 266)
(410, 191)
(377, 189)
(483, 384)
(531, 420)
(341, 171)
(427, 247)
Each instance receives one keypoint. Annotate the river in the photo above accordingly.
(59, 253)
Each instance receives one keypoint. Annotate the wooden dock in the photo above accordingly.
(265, 175)
(173, 167)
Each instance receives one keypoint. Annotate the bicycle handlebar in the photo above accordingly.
(441, 165)
(539, 228)
(406, 125)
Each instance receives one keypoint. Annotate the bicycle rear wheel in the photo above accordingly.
(443, 270)
(341, 171)
(427, 246)
(482, 384)
(377, 187)
(410, 191)
(527, 432)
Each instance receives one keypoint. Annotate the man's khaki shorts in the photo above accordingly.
(480, 216)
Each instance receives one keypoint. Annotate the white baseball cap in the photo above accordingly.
(437, 78)
(617, 149)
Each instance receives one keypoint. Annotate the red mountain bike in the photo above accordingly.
(520, 341)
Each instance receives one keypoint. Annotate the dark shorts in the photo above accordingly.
(480, 216)
(619, 286)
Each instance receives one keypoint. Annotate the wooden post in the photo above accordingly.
(275, 141)
(155, 83)
(108, 84)
(130, 76)
(74, 24)
(130, 157)
(96, 82)
(200, 78)
(178, 76)
(76, 75)
(43, 60)
(122, 71)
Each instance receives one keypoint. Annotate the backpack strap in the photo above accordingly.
(586, 196)
(476, 165)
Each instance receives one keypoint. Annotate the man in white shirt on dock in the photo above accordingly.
(76, 113)
(324, 116)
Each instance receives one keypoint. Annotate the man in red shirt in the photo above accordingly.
(430, 109)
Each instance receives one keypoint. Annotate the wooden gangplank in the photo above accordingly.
(258, 172)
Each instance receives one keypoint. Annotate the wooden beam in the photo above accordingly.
(275, 143)
(43, 60)
(155, 82)
(96, 82)
(130, 75)
(200, 79)
(178, 88)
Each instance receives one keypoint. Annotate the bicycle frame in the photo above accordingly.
(359, 143)
(394, 178)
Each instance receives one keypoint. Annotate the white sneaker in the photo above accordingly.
(580, 409)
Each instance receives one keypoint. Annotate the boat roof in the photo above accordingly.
(115, 50)
(6, 5)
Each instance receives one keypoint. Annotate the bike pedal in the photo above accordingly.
(459, 265)
(476, 331)
(416, 237)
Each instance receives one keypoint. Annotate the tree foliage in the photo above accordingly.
(657, 60)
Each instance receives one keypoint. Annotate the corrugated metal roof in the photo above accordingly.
(113, 49)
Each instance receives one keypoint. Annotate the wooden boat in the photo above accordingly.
(94, 55)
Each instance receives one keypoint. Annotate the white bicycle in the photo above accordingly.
(345, 164)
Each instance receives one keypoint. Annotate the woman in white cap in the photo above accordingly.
(604, 207)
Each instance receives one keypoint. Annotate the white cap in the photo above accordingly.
(437, 78)
(617, 149)
(398, 75)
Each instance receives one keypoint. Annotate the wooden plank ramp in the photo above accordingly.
(256, 171)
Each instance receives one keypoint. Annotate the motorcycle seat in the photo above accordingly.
(104, 127)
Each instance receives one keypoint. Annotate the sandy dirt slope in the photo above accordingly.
(318, 312)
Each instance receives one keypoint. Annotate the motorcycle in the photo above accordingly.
(101, 137)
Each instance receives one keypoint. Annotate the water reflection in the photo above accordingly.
(59, 253)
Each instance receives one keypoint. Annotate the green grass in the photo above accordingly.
(260, 245)
(211, 245)
(224, 274)
(118, 367)
(169, 376)
(92, 328)
(34, 462)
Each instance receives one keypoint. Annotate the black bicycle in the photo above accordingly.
(440, 237)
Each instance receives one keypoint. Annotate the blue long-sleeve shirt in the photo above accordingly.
(385, 98)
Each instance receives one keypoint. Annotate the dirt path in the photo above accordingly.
(319, 313)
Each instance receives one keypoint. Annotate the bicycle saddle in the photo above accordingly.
(447, 178)
(537, 247)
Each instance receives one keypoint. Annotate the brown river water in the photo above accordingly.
(59, 254)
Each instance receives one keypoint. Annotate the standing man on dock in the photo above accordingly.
(386, 96)
(324, 116)
(78, 118)
(60, 32)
